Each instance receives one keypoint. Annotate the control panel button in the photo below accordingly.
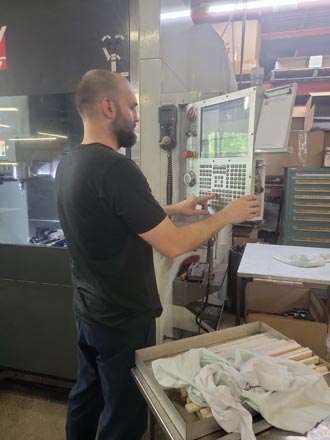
(188, 154)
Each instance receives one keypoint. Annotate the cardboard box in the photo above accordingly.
(317, 110)
(242, 240)
(265, 300)
(303, 117)
(298, 118)
(314, 115)
(287, 63)
(327, 140)
(306, 151)
(302, 62)
(232, 36)
(326, 61)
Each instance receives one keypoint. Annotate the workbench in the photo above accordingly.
(258, 262)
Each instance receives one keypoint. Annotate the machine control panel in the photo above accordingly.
(225, 138)
(223, 163)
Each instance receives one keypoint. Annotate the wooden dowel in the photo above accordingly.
(322, 369)
(206, 413)
(192, 407)
(311, 360)
(183, 394)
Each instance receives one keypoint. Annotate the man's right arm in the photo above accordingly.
(171, 240)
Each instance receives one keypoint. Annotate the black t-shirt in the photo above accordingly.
(104, 201)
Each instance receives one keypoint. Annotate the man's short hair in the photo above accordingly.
(94, 85)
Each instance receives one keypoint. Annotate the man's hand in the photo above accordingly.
(188, 207)
(241, 209)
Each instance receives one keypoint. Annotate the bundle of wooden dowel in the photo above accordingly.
(261, 343)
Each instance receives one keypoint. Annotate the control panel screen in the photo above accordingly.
(225, 128)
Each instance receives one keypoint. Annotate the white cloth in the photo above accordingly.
(313, 260)
(225, 406)
(288, 394)
(302, 399)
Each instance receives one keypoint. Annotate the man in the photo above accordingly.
(111, 222)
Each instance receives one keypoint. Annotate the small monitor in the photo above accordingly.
(225, 128)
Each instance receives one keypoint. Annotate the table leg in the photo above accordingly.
(240, 296)
(239, 284)
(151, 425)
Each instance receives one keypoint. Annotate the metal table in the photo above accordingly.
(156, 413)
(258, 262)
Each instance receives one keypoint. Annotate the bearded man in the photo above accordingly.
(111, 221)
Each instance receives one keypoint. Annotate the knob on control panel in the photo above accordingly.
(189, 178)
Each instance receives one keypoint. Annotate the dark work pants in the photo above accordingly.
(105, 396)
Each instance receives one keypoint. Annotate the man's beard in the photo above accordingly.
(126, 137)
(125, 134)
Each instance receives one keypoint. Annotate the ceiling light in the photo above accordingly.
(9, 163)
(53, 135)
(33, 139)
(4, 125)
(175, 14)
(9, 109)
(256, 4)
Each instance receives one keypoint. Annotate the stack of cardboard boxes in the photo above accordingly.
(308, 138)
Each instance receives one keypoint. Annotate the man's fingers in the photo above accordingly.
(250, 197)
(200, 200)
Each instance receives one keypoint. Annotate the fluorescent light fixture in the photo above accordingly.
(4, 125)
(9, 163)
(256, 4)
(175, 14)
(33, 139)
(53, 135)
(9, 109)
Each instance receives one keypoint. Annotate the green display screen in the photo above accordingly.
(224, 129)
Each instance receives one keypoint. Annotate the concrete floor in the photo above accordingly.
(31, 412)
(38, 412)
(35, 412)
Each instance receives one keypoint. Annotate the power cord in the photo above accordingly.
(198, 318)
(169, 183)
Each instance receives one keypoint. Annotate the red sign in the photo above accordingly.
(3, 58)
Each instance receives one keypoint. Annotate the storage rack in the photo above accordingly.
(307, 207)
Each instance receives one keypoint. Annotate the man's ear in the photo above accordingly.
(108, 108)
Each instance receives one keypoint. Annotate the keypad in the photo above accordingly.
(226, 182)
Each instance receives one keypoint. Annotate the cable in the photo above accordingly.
(169, 185)
(205, 304)
(210, 274)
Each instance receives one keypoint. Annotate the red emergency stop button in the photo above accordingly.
(188, 154)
